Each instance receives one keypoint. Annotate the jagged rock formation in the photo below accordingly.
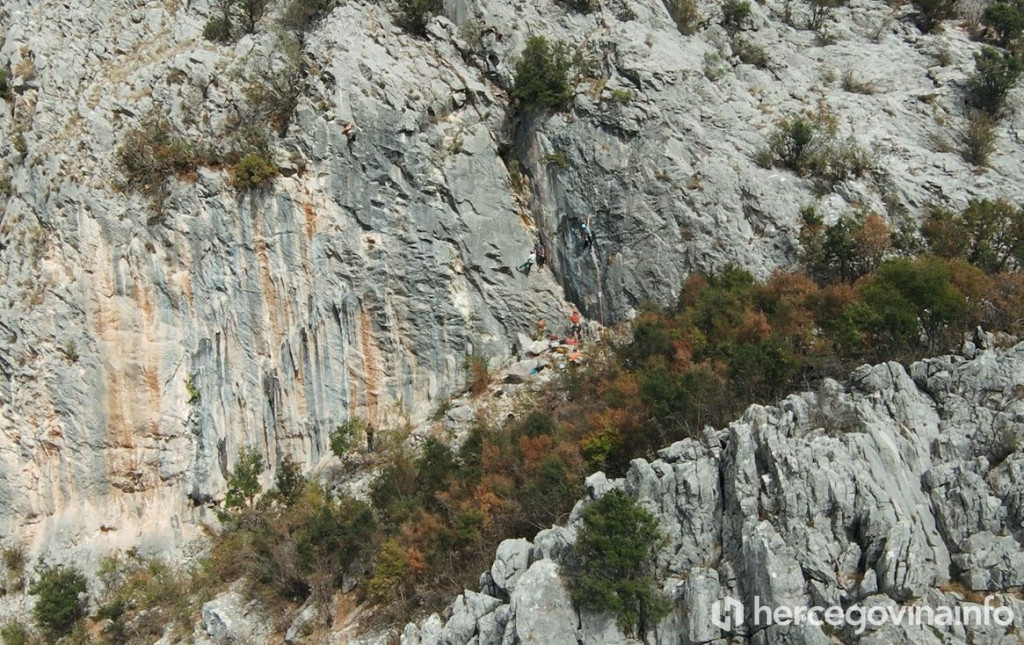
(899, 487)
(141, 354)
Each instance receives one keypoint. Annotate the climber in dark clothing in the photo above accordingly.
(541, 253)
(588, 235)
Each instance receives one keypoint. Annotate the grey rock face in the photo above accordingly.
(141, 354)
(792, 507)
(229, 619)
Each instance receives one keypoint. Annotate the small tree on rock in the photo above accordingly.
(612, 567)
(58, 607)
(244, 482)
(542, 75)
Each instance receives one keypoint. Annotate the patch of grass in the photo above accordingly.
(14, 633)
(855, 85)
(557, 158)
(191, 391)
(622, 95)
(750, 53)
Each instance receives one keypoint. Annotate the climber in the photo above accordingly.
(541, 253)
(526, 266)
(575, 330)
(541, 329)
(350, 134)
(588, 235)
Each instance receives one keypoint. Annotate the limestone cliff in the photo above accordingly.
(139, 355)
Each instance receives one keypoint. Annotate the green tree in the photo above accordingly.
(434, 468)
(416, 14)
(612, 563)
(910, 300)
(846, 250)
(1006, 19)
(542, 75)
(244, 482)
(289, 481)
(299, 16)
(988, 234)
(995, 75)
(735, 14)
(58, 607)
(932, 12)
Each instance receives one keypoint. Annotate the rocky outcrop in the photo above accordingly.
(900, 501)
(141, 354)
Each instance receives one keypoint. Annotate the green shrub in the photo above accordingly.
(346, 435)
(839, 161)
(478, 375)
(251, 12)
(5, 88)
(978, 139)
(58, 607)
(141, 598)
(988, 234)
(795, 143)
(807, 145)
(542, 76)
(218, 30)
(434, 469)
(612, 563)
(995, 75)
(14, 633)
(244, 481)
(14, 560)
(750, 53)
(821, 12)
(557, 158)
(152, 155)
(299, 16)
(1006, 20)
(289, 482)
(583, 6)
(846, 250)
(390, 573)
(253, 171)
(622, 95)
(274, 85)
(393, 491)
(910, 299)
(735, 14)
(932, 12)
(685, 14)
(416, 14)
